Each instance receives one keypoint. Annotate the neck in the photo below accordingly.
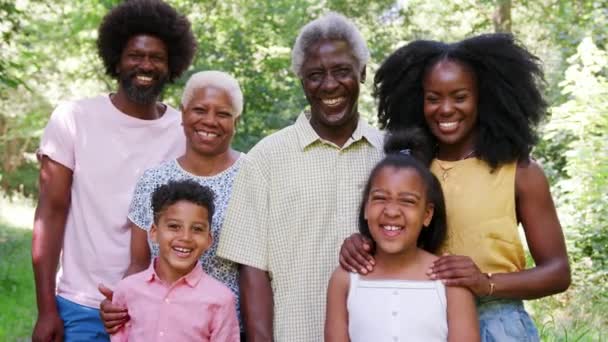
(394, 264)
(455, 152)
(204, 165)
(338, 135)
(149, 111)
(167, 274)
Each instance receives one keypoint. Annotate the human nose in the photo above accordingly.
(209, 118)
(186, 234)
(329, 82)
(145, 63)
(391, 210)
(446, 107)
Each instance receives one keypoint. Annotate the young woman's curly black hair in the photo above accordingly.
(509, 81)
(153, 17)
(183, 190)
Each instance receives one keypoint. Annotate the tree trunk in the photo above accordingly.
(502, 16)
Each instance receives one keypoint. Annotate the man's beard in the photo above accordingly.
(142, 95)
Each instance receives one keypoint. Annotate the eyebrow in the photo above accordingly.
(404, 193)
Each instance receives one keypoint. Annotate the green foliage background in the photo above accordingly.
(48, 54)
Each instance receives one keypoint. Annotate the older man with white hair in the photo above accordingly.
(297, 194)
(212, 102)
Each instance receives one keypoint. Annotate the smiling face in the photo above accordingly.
(397, 209)
(450, 107)
(143, 68)
(183, 234)
(209, 121)
(330, 79)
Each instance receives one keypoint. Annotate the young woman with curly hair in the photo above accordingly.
(480, 100)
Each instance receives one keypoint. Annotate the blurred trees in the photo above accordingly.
(48, 53)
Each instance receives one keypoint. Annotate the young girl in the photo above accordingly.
(479, 100)
(403, 214)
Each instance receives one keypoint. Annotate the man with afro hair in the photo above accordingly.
(92, 152)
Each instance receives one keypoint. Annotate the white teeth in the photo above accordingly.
(206, 134)
(392, 228)
(333, 102)
(144, 78)
(182, 250)
(448, 125)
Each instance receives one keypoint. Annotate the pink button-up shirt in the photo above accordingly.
(195, 308)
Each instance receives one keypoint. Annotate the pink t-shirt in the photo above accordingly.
(195, 308)
(107, 151)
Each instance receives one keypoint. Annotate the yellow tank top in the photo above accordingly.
(481, 215)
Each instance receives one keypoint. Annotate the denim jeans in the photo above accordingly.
(80, 323)
(505, 320)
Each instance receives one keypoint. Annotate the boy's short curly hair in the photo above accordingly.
(152, 17)
(183, 190)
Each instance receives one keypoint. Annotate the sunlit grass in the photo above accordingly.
(17, 302)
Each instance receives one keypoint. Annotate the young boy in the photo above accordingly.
(174, 299)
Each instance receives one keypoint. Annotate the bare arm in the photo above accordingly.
(140, 250)
(336, 317)
(256, 303)
(537, 214)
(463, 324)
(113, 315)
(47, 241)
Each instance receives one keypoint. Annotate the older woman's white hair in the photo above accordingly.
(215, 79)
(331, 26)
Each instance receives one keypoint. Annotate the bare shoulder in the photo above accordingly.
(529, 168)
(339, 277)
(427, 258)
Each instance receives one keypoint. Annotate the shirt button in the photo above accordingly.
(167, 300)
(395, 293)
(395, 338)
(161, 334)
(395, 313)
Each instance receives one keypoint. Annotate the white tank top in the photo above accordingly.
(396, 310)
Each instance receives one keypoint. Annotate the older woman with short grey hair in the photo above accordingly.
(211, 104)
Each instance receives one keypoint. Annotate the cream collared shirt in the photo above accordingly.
(294, 201)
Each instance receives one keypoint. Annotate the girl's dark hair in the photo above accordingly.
(509, 81)
(411, 148)
(152, 17)
(184, 190)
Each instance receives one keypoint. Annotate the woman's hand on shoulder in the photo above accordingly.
(460, 270)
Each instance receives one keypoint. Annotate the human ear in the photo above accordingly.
(428, 214)
(363, 74)
(154, 233)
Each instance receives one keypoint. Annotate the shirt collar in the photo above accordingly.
(307, 135)
(191, 279)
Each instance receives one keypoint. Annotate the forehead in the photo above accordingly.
(185, 210)
(146, 42)
(449, 71)
(399, 178)
(328, 52)
(209, 93)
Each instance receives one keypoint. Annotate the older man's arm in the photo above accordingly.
(257, 304)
